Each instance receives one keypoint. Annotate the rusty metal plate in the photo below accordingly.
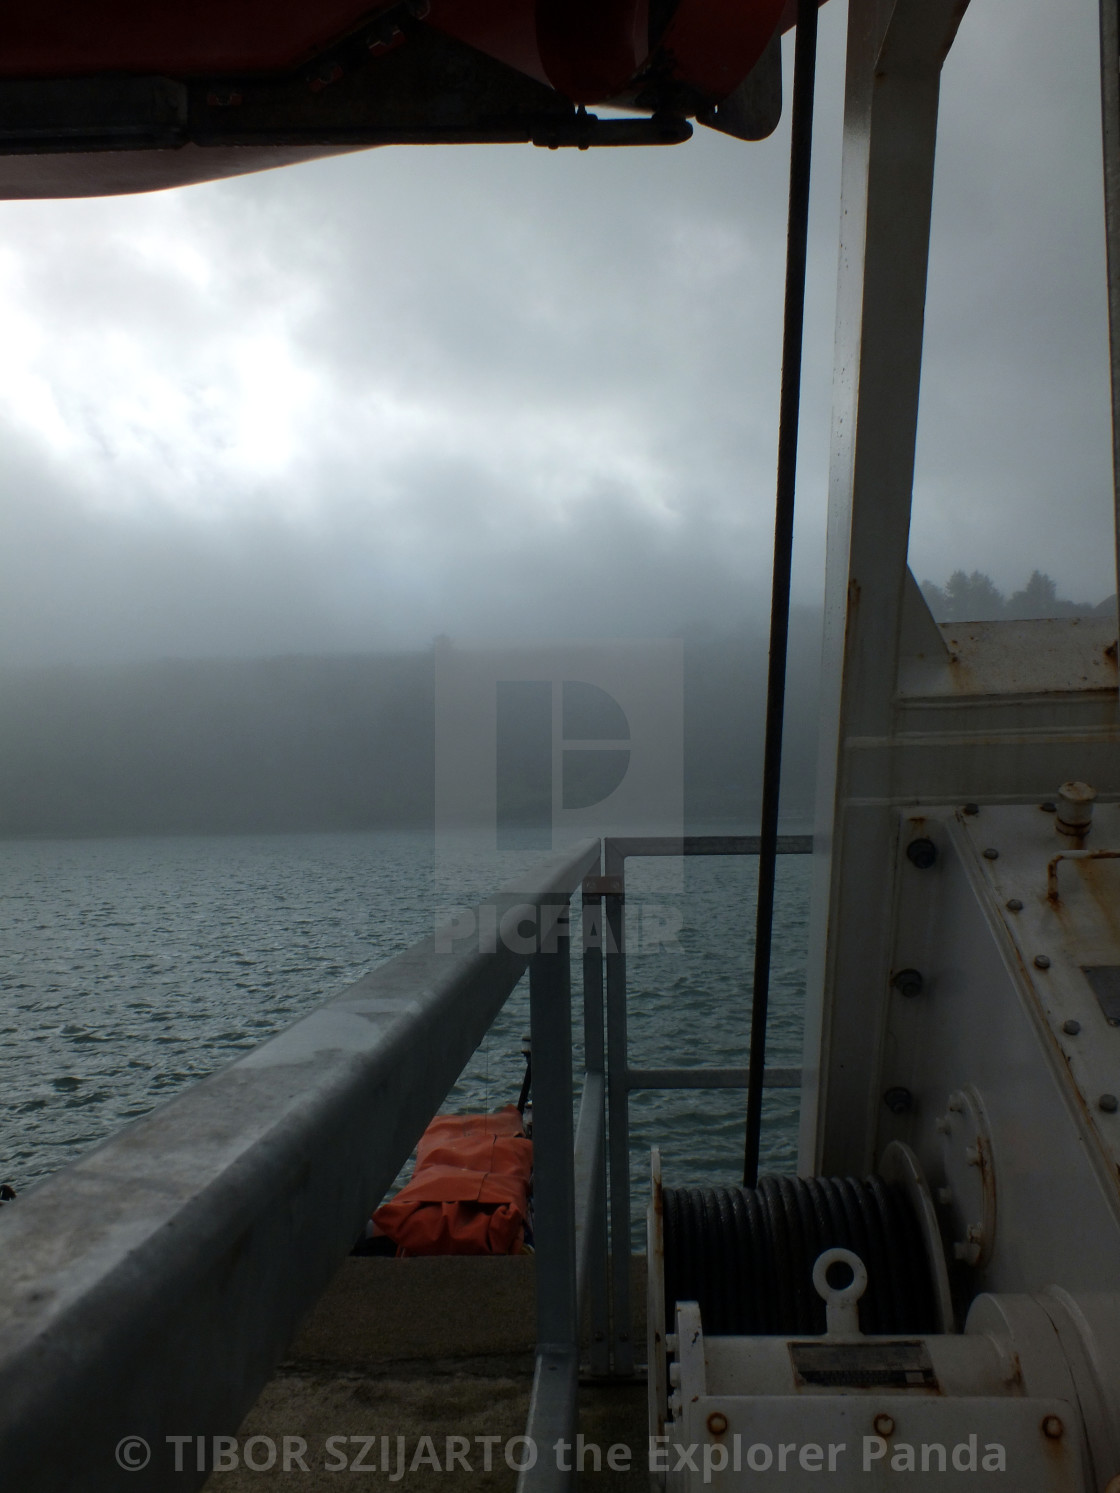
(870, 1365)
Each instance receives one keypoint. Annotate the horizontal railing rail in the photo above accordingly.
(148, 1290)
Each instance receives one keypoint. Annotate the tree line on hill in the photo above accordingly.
(976, 598)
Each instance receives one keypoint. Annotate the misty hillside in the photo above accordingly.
(307, 743)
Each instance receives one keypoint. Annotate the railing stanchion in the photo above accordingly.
(595, 1063)
(618, 1102)
(552, 1410)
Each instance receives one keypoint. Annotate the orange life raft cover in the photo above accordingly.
(469, 1193)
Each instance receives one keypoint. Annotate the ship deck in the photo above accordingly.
(415, 1348)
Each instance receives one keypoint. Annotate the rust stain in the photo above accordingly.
(1086, 863)
(854, 592)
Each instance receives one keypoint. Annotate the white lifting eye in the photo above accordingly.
(840, 1278)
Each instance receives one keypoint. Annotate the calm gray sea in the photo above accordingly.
(130, 968)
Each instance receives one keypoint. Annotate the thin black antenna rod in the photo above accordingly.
(1110, 144)
(801, 149)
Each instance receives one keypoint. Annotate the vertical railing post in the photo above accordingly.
(552, 1417)
(618, 1117)
(594, 1062)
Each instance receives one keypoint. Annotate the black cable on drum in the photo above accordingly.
(746, 1254)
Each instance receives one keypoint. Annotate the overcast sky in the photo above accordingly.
(507, 392)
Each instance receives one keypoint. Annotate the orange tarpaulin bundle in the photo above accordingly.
(469, 1193)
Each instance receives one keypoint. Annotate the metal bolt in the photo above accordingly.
(921, 853)
(1014, 905)
(1109, 1103)
(1075, 809)
(1042, 961)
(1048, 807)
(972, 808)
(717, 1423)
(1052, 1427)
(1071, 1027)
(991, 854)
(908, 982)
(884, 1425)
(898, 1100)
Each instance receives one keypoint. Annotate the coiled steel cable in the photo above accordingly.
(746, 1254)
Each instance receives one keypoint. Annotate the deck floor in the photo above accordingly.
(398, 1351)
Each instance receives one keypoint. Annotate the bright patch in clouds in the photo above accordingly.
(411, 391)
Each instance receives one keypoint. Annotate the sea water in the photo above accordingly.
(130, 968)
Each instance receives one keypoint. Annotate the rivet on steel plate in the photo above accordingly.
(1042, 961)
(991, 854)
(1109, 1103)
(884, 1425)
(908, 982)
(1014, 905)
(1048, 807)
(921, 853)
(1052, 1427)
(717, 1423)
(1071, 1027)
(898, 1100)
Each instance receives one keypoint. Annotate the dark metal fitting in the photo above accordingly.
(908, 982)
(1042, 961)
(1109, 1103)
(972, 808)
(1052, 1427)
(1014, 905)
(717, 1423)
(595, 887)
(1048, 807)
(1071, 1027)
(921, 853)
(382, 34)
(899, 1101)
(991, 854)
